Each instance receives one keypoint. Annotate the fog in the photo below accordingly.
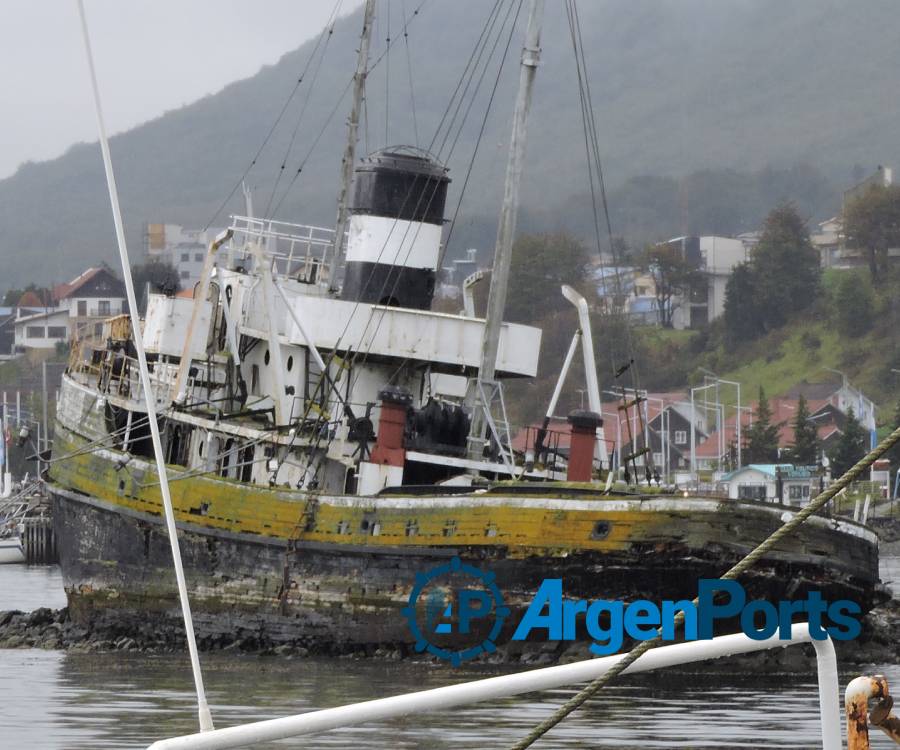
(172, 52)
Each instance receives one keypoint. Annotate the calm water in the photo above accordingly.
(52, 700)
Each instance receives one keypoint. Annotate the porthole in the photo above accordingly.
(290, 363)
(266, 357)
(600, 530)
(364, 525)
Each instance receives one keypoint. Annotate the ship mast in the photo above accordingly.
(359, 91)
(481, 396)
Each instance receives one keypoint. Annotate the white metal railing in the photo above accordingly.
(297, 250)
(549, 678)
(102, 312)
(123, 379)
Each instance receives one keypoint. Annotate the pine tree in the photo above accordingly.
(850, 448)
(805, 448)
(762, 435)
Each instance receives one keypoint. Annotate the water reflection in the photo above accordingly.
(70, 701)
(28, 587)
(83, 701)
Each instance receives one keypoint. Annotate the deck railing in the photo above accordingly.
(298, 251)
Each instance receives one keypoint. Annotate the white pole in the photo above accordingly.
(4, 477)
(202, 707)
(44, 404)
(560, 381)
(590, 366)
(548, 678)
(739, 425)
(667, 459)
(693, 437)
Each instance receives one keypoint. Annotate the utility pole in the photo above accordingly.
(5, 484)
(44, 404)
(478, 398)
(349, 158)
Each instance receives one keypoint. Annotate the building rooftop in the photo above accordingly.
(788, 471)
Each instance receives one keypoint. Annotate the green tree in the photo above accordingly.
(850, 447)
(852, 304)
(742, 320)
(674, 277)
(872, 225)
(162, 278)
(541, 263)
(12, 296)
(780, 280)
(786, 267)
(805, 448)
(762, 436)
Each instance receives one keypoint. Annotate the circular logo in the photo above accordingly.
(455, 611)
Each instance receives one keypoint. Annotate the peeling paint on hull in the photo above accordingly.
(321, 595)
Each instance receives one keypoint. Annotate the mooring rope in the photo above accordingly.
(577, 700)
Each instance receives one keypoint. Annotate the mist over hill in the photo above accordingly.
(749, 102)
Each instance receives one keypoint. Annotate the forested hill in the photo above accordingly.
(678, 87)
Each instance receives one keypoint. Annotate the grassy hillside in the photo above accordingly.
(678, 87)
(812, 345)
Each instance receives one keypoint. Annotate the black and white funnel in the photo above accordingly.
(395, 229)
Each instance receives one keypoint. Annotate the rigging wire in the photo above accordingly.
(331, 114)
(382, 312)
(412, 91)
(412, 186)
(595, 168)
(265, 140)
(478, 140)
(436, 184)
(387, 78)
(463, 75)
(465, 85)
(476, 62)
(329, 27)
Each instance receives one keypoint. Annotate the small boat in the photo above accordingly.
(11, 549)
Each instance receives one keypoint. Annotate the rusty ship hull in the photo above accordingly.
(333, 572)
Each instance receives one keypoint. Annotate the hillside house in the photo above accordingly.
(781, 483)
(183, 248)
(78, 309)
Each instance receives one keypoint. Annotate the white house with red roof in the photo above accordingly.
(78, 309)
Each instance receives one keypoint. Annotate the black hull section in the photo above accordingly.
(118, 563)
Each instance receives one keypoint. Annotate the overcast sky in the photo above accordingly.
(151, 56)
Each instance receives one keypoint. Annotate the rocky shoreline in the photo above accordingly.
(50, 629)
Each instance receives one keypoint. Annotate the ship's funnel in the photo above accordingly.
(395, 229)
